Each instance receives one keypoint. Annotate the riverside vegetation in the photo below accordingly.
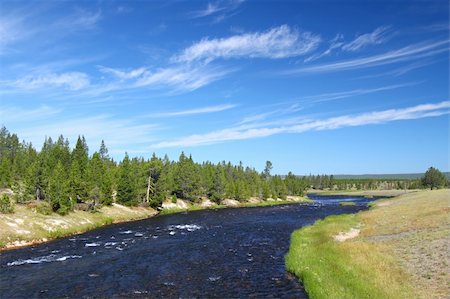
(397, 249)
(61, 180)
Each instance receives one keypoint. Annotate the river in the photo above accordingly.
(225, 253)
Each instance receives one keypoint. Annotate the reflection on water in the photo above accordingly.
(215, 253)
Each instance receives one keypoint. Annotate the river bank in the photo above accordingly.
(398, 249)
(27, 227)
(184, 206)
(367, 193)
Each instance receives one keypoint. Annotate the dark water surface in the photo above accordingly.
(223, 253)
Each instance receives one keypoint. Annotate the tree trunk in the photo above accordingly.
(148, 188)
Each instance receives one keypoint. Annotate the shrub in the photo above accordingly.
(5, 204)
(63, 210)
(44, 208)
(20, 195)
(434, 179)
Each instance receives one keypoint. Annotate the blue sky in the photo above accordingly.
(314, 86)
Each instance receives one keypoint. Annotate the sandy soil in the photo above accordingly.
(230, 202)
(343, 236)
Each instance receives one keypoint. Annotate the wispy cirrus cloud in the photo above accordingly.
(252, 119)
(368, 118)
(123, 74)
(10, 30)
(278, 42)
(325, 97)
(211, 8)
(182, 78)
(335, 44)
(220, 10)
(25, 25)
(13, 29)
(378, 36)
(415, 51)
(80, 20)
(68, 80)
(116, 131)
(9, 114)
(177, 78)
(202, 110)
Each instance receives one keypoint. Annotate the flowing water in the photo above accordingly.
(224, 253)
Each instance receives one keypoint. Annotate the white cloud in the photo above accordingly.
(221, 9)
(277, 112)
(81, 20)
(210, 9)
(278, 42)
(202, 110)
(70, 80)
(376, 37)
(177, 79)
(19, 114)
(9, 30)
(352, 93)
(13, 31)
(335, 43)
(377, 117)
(420, 50)
(181, 78)
(123, 75)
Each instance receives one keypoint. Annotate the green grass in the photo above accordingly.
(275, 202)
(331, 269)
(347, 203)
(402, 243)
(64, 232)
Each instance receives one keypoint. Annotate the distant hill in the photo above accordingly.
(395, 176)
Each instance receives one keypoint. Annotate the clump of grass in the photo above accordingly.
(169, 211)
(266, 203)
(347, 203)
(350, 269)
(44, 208)
(64, 232)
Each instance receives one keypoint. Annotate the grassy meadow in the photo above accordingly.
(400, 250)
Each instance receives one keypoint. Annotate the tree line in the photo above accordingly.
(71, 178)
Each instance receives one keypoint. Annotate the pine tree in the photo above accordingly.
(126, 191)
(433, 178)
(95, 175)
(77, 185)
(103, 151)
(267, 170)
(80, 155)
(186, 178)
(5, 172)
(217, 192)
(58, 191)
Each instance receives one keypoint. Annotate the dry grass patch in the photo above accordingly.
(416, 228)
(401, 252)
